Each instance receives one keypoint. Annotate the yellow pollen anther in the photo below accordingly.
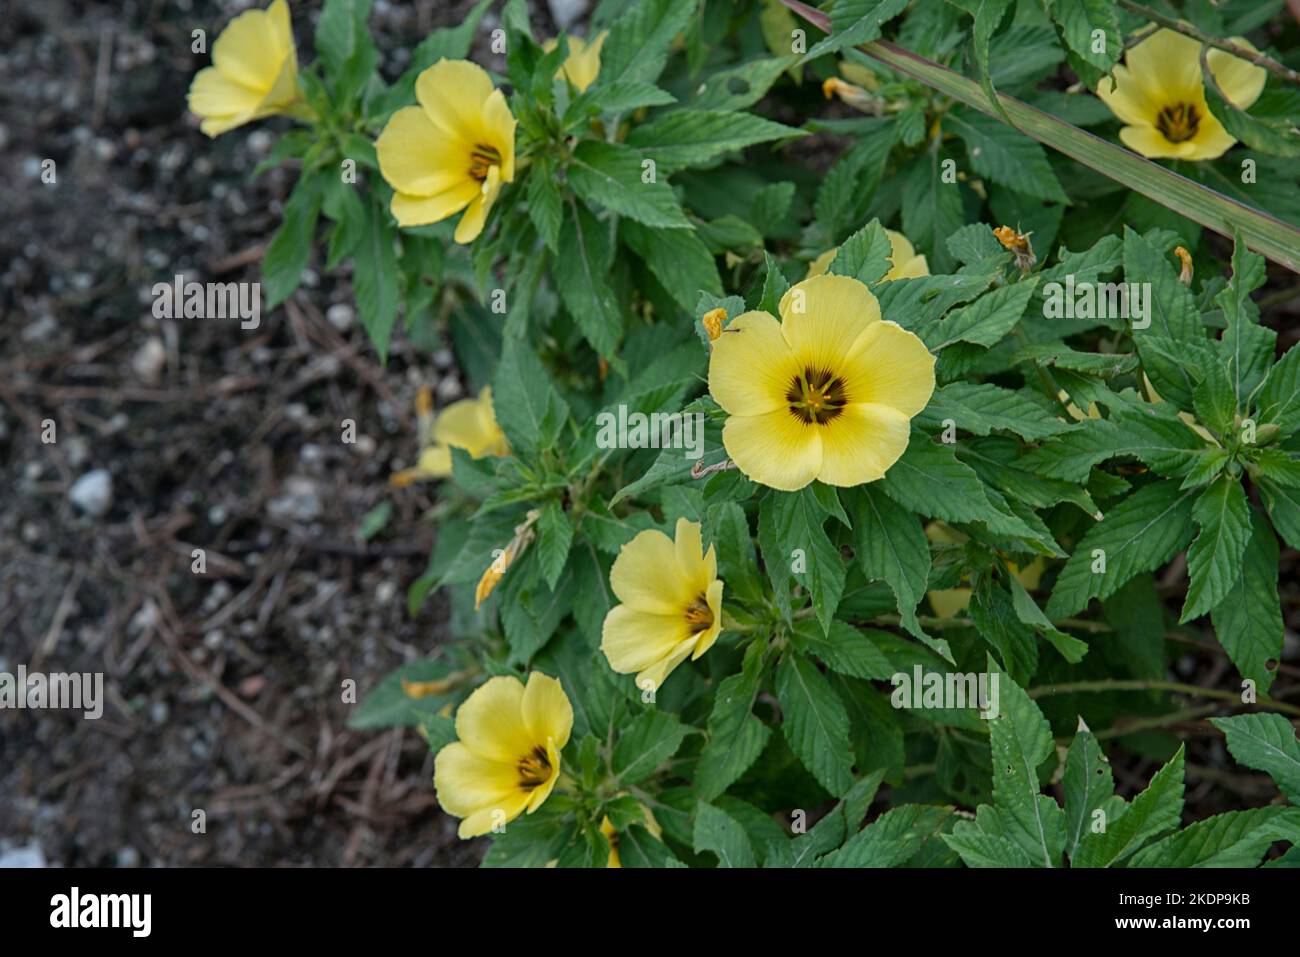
(713, 321)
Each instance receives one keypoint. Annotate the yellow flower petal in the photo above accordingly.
(751, 365)
(705, 639)
(252, 47)
(583, 63)
(453, 93)
(634, 640)
(645, 575)
(822, 318)
(1168, 62)
(1130, 99)
(481, 822)
(949, 602)
(904, 261)
(222, 101)
(774, 449)
(1240, 80)
(548, 715)
(491, 722)
(467, 782)
(688, 550)
(471, 224)
(822, 263)
(416, 158)
(653, 677)
(862, 443)
(890, 366)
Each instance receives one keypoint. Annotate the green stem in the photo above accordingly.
(1078, 687)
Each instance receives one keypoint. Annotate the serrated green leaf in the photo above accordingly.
(1265, 742)
(1214, 557)
(1154, 811)
(1248, 620)
(815, 723)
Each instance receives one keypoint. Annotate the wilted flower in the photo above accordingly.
(508, 757)
(826, 393)
(671, 604)
(254, 71)
(451, 152)
(1159, 93)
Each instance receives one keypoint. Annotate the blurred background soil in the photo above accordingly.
(223, 691)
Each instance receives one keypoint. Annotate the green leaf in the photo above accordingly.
(679, 260)
(775, 286)
(1214, 558)
(735, 736)
(545, 205)
(1154, 811)
(1248, 620)
(1160, 440)
(1079, 20)
(929, 480)
(890, 544)
(1007, 156)
(1138, 535)
(932, 210)
(639, 40)
(980, 408)
(1268, 134)
(1020, 740)
(815, 723)
(555, 536)
(290, 248)
(611, 176)
(1089, 786)
(892, 838)
(805, 551)
(528, 409)
(617, 97)
(854, 22)
(722, 834)
(374, 279)
(1243, 337)
(1265, 742)
(741, 86)
(637, 847)
(580, 277)
(1173, 310)
(644, 744)
(864, 256)
(844, 649)
(1283, 509)
(1231, 839)
(688, 137)
(1279, 398)
(984, 321)
(388, 705)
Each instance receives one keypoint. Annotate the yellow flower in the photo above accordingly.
(1159, 94)
(583, 63)
(508, 757)
(826, 393)
(671, 604)
(451, 152)
(905, 262)
(254, 71)
(469, 424)
(950, 602)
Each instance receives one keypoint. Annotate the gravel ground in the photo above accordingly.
(223, 690)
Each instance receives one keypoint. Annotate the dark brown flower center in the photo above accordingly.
(1178, 122)
(534, 768)
(699, 617)
(816, 396)
(481, 159)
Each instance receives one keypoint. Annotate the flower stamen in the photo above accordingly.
(699, 616)
(534, 768)
(816, 396)
(1178, 122)
(483, 158)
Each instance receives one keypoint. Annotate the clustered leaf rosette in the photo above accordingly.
(1159, 93)
(671, 604)
(826, 394)
(452, 152)
(254, 72)
(469, 424)
(507, 760)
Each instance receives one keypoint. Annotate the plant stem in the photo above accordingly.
(1177, 687)
(1227, 46)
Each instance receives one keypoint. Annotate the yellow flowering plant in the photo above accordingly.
(776, 414)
